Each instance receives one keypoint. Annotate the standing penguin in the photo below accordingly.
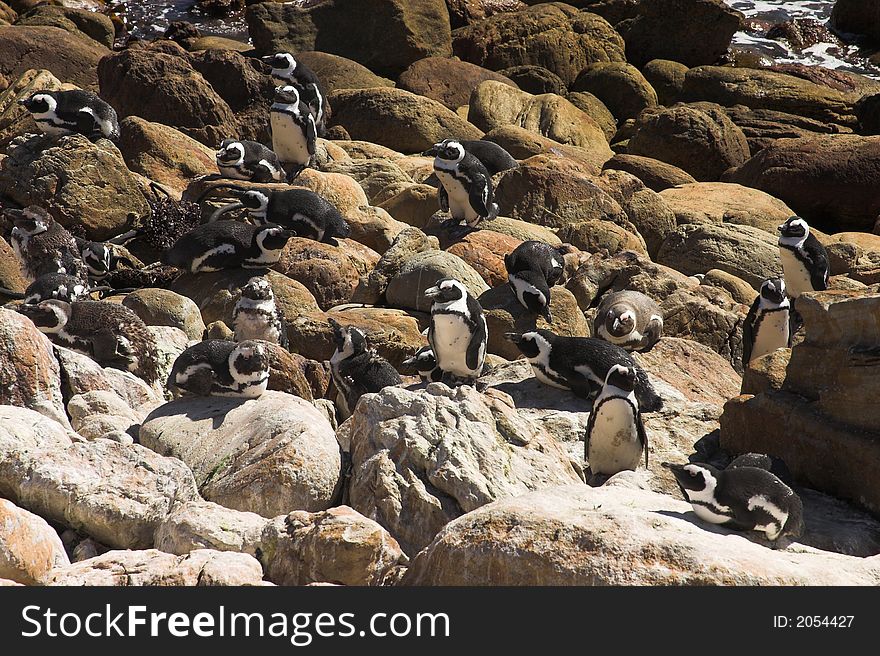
(294, 134)
(768, 324)
(256, 316)
(228, 245)
(356, 369)
(109, 333)
(490, 154)
(465, 184)
(425, 364)
(60, 113)
(308, 214)
(532, 269)
(630, 320)
(616, 435)
(457, 334)
(43, 245)
(742, 498)
(804, 259)
(240, 159)
(217, 367)
(581, 364)
(287, 70)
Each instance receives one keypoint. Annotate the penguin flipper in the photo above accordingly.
(87, 125)
(480, 197)
(311, 134)
(817, 256)
(748, 336)
(643, 435)
(646, 395)
(443, 198)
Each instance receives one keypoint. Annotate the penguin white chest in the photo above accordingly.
(797, 276)
(773, 333)
(459, 198)
(232, 172)
(255, 325)
(451, 338)
(288, 140)
(614, 440)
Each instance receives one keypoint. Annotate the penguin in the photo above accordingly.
(256, 316)
(109, 333)
(43, 245)
(616, 436)
(52, 285)
(532, 269)
(217, 367)
(228, 245)
(581, 364)
(465, 184)
(630, 320)
(490, 154)
(804, 260)
(287, 70)
(768, 323)
(240, 159)
(425, 364)
(102, 259)
(743, 498)
(772, 464)
(60, 113)
(457, 333)
(356, 369)
(294, 134)
(301, 210)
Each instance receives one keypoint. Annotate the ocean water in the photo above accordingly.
(148, 19)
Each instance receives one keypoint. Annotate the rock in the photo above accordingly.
(267, 455)
(698, 138)
(665, 30)
(762, 127)
(96, 413)
(620, 86)
(408, 243)
(613, 535)
(535, 79)
(767, 373)
(484, 250)
(553, 35)
(163, 154)
(761, 89)
(739, 290)
(667, 79)
(80, 374)
(10, 271)
(655, 174)
(91, 24)
(82, 184)
(720, 202)
(29, 373)
(801, 33)
(411, 30)
(204, 525)
(14, 118)
(494, 104)
(856, 17)
(29, 548)
(406, 290)
(827, 178)
(744, 251)
(337, 72)
(823, 431)
(448, 81)
(414, 206)
(521, 230)
(505, 314)
(163, 87)
(394, 334)
(596, 110)
(116, 493)
(374, 175)
(162, 307)
(467, 12)
(423, 458)
(522, 144)
(595, 236)
(69, 57)
(152, 567)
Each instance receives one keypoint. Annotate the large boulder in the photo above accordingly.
(596, 109)
(386, 36)
(857, 17)
(494, 104)
(448, 81)
(522, 144)
(29, 547)
(91, 24)
(655, 174)
(466, 12)
(162, 307)
(693, 32)
(84, 185)
(484, 250)
(268, 455)
(722, 202)
(620, 86)
(553, 35)
(698, 138)
(422, 458)
(397, 119)
(337, 72)
(762, 127)
(613, 535)
(406, 290)
(68, 56)
(827, 178)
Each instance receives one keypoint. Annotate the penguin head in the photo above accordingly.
(257, 289)
(424, 361)
(98, 259)
(449, 150)
(287, 95)
(694, 478)
(794, 229)
(620, 321)
(773, 290)
(533, 344)
(272, 237)
(41, 102)
(230, 152)
(623, 378)
(349, 340)
(283, 64)
(249, 361)
(532, 292)
(32, 220)
(447, 290)
(255, 202)
(49, 316)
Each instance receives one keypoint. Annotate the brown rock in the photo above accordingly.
(467, 12)
(721, 202)
(596, 110)
(667, 79)
(522, 144)
(14, 118)
(620, 86)
(762, 127)
(655, 174)
(337, 72)
(414, 206)
(857, 17)
(29, 548)
(448, 81)
(484, 250)
(601, 236)
(69, 57)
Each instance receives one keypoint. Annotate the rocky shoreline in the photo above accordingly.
(647, 160)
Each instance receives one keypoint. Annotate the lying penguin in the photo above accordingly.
(630, 320)
(228, 245)
(240, 159)
(217, 367)
(61, 113)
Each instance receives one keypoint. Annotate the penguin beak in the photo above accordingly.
(267, 58)
(432, 292)
(672, 467)
(431, 152)
(516, 338)
(546, 314)
(409, 362)
(14, 214)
